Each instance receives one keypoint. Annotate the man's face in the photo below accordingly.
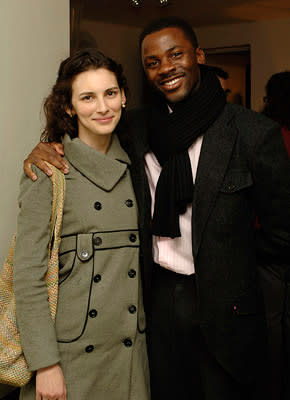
(170, 63)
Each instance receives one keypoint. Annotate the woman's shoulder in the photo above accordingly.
(35, 189)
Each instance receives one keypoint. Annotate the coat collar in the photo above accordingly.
(103, 170)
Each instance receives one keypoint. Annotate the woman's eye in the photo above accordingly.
(87, 98)
(111, 93)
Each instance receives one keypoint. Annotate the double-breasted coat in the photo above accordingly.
(243, 172)
(98, 337)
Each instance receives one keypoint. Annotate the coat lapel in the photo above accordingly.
(104, 170)
(214, 158)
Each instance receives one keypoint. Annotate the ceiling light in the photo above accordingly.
(136, 3)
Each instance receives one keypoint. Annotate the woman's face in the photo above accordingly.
(97, 102)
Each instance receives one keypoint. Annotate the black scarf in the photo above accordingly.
(170, 137)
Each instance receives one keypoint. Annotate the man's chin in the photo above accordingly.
(174, 97)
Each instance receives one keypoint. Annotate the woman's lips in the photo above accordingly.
(105, 120)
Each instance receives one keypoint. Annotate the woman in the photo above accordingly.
(97, 348)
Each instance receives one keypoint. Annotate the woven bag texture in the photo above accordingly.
(13, 367)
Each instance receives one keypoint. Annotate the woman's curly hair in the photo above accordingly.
(57, 104)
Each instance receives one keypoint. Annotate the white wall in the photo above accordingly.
(34, 38)
(121, 43)
(270, 49)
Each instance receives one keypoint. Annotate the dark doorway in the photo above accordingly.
(236, 61)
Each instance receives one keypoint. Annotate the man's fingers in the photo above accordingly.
(28, 170)
(51, 153)
(58, 147)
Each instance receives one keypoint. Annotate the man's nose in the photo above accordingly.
(166, 66)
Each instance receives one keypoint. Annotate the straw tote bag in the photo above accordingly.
(13, 367)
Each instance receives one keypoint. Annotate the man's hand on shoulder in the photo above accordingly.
(50, 152)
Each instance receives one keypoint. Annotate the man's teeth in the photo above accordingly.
(172, 82)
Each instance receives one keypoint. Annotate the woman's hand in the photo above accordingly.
(51, 152)
(50, 383)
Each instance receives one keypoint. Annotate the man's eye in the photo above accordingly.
(177, 54)
(151, 64)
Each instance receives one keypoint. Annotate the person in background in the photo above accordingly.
(277, 103)
(222, 76)
(97, 347)
(208, 168)
(275, 279)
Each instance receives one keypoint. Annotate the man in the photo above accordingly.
(203, 170)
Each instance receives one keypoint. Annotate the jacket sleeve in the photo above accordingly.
(271, 175)
(37, 331)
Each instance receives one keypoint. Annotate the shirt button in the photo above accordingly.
(127, 342)
(132, 273)
(132, 237)
(98, 205)
(84, 254)
(97, 278)
(90, 348)
(129, 203)
(97, 241)
(132, 309)
(93, 313)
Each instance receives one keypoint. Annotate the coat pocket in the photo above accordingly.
(235, 181)
(76, 267)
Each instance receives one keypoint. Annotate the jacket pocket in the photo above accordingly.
(235, 181)
(76, 267)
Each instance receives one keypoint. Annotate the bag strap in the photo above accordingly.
(58, 194)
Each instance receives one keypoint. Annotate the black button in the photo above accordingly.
(93, 313)
(90, 348)
(97, 278)
(97, 241)
(132, 237)
(132, 309)
(132, 273)
(128, 342)
(129, 203)
(98, 205)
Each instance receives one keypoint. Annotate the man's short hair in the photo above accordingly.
(170, 22)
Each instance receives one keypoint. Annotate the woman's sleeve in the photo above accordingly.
(37, 331)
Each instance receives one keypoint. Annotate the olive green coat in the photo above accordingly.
(98, 338)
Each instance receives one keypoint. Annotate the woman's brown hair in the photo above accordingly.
(56, 105)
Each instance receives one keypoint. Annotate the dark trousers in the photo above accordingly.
(181, 366)
(275, 283)
(13, 395)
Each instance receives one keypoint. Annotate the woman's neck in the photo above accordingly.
(101, 143)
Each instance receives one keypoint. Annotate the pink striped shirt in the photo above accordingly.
(174, 254)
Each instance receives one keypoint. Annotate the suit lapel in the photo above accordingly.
(214, 158)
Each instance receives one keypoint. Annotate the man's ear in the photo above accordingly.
(200, 55)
